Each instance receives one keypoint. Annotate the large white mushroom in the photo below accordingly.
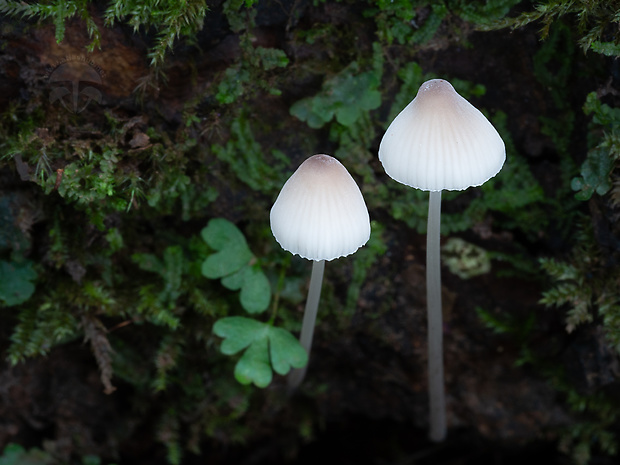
(320, 215)
(439, 141)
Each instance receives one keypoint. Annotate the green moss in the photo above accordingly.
(247, 159)
(586, 287)
(592, 20)
(417, 21)
(604, 150)
(171, 19)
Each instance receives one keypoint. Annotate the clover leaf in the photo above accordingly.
(266, 347)
(286, 351)
(254, 366)
(255, 289)
(233, 262)
(233, 251)
(239, 333)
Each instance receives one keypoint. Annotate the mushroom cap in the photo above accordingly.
(441, 141)
(320, 213)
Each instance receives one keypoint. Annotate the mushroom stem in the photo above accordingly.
(436, 392)
(307, 327)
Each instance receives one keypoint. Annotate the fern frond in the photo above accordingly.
(39, 329)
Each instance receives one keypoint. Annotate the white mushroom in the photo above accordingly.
(439, 141)
(320, 215)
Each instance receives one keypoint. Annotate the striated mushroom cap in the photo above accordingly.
(441, 141)
(320, 213)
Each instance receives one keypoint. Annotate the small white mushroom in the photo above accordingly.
(439, 141)
(320, 215)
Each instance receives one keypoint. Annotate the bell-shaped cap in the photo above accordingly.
(320, 213)
(441, 141)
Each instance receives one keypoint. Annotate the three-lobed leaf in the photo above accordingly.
(233, 251)
(286, 351)
(232, 262)
(266, 347)
(253, 366)
(255, 291)
(238, 333)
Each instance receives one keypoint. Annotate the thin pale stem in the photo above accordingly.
(436, 390)
(307, 327)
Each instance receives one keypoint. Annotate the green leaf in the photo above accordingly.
(238, 333)
(235, 281)
(11, 454)
(232, 264)
(346, 96)
(254, 365)
(286, 352)
(232, 85)
(267, 348)
(609, 49)
(255, 288)
(355, 95)
(14, 454)
(255, 291)
(16, 282)
(595, 174)
(272, 57)
(602, 114)
(233, 251)
(584, 191)
(220, 232)
(305, 111)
